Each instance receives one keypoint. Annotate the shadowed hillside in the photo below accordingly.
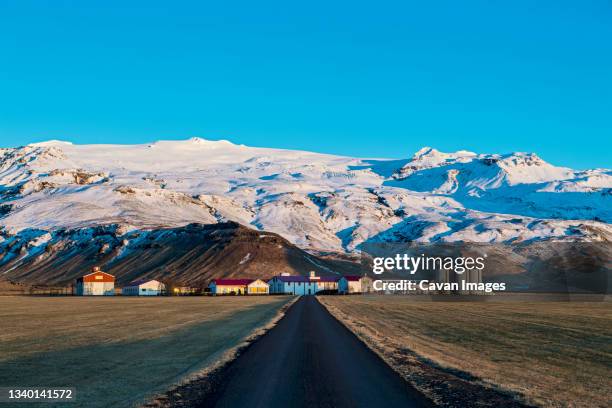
(193, 255)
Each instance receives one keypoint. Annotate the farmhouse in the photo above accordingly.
(354, 284)
(144, 287)
(96, 283)
(229, 286)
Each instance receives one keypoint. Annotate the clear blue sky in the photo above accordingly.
(375, 79)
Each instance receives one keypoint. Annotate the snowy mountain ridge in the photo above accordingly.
(316, 201)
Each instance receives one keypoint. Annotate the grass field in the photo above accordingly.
(549, 353)
(118, 350)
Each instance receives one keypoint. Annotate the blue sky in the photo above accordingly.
(375, 79)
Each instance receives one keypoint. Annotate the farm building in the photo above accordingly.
(96, 283)
(301, 285)
(354, 284)
(144, 287)
(258, 287)
(327, 283)
(184, 290)
(229, 286)
(296, 285)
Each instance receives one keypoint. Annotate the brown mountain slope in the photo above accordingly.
(189, 255)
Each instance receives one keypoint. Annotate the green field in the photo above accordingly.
(548, 353)
(116, 351)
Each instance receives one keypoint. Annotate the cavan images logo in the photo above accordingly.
(468, 267)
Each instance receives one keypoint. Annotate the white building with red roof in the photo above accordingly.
(238, 287)
(96, 283)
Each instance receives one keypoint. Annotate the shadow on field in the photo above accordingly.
(124, 373)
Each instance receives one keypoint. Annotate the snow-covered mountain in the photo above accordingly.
(315, 201)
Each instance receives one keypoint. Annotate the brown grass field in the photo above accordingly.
(117, 351)
(546, 353)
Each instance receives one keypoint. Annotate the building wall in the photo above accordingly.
(151, 288)
(149, 292)
(354, 286)
(184, 290)
(300, 288)
(227, 289)
(95, 288)
(346, 286)
(275, 286)
(342, 285)
(327, 286)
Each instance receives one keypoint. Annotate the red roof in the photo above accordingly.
(352, 278)
(97, 276)
(232, 282)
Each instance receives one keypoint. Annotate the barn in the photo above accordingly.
(354, 284)
(144, 287)
(96, 283)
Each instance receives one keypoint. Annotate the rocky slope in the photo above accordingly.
(189, 255)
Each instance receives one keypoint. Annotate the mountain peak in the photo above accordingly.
(50, 143)
(522, 159)
(431, 153)
(425, 151)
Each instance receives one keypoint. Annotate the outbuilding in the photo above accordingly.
(144, 287)
(96, 283)
(258, 287)
(354, 284)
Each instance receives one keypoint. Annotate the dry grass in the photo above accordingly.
(117, 351)
(551, 353)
